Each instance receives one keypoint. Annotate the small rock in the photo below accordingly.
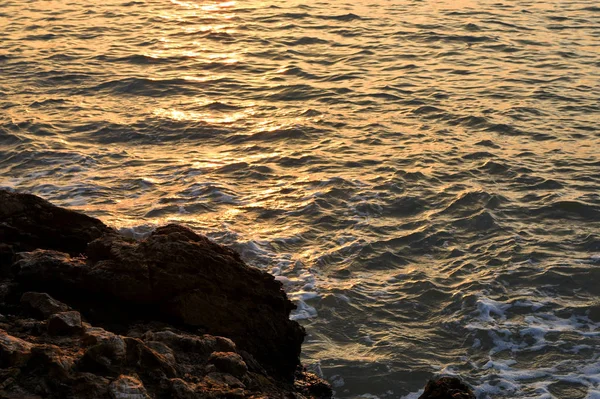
(95, 335)
(54, 362)
(89, 386)
(141, 356)
(447, 388)
(181, 342)
(182, 390)
(311, 386)
(163, 350)
(43, 303)
(64, 323)
(127, 387)
(14, 352)
(229, 362)
(224, 344)
(107, 353)
(30, 222)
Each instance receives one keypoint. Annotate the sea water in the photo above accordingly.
(423, 176)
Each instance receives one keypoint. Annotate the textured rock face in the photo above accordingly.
(64, 323)
(447, 388)
(43, 303)
(13, 351)
(182, 277)
(87, 313)
(29, 222)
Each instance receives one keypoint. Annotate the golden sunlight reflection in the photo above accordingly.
(205, 7)
(393, 162)
(208, 117)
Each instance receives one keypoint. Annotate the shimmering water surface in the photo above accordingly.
(422, 175)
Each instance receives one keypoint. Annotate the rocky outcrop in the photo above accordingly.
(28, 222)
(88, 313)
(179, 277)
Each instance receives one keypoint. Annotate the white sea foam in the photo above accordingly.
(337, 381)
(138, 232)
(529, 334)
(413, 395)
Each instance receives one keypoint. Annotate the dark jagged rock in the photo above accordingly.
(182, 277)
(229, 362)
(127, 387)
(172, 316)
(42, 304)
(447, 388)
(13, 351)
(64, 323)
(28, 222)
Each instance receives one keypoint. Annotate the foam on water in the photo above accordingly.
(516, 335)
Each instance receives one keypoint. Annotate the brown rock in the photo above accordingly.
(229, 362)
(43, 303)
(150, 361)
(107, 354)
(225, 379)
(447, 388)
(95, 335)
(51, 270)
(13, 351)
(89, 386)
(54, 362)
(183, 277)
(64, 323)
(180, 389)
(29, 222)
(204, 284)
(144, 295)
(127, 387)
(312, 386)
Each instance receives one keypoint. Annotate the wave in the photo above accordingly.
(568, 210)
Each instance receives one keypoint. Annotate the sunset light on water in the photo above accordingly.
(422, 176)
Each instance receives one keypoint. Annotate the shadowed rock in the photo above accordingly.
(64, 323)
(172, 316)
(184, 278)
(13, 351)
(42, 304)
(447, 388)
(29, 222)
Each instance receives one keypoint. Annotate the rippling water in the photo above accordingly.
(423, 176)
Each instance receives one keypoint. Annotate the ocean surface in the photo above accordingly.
(423, 176)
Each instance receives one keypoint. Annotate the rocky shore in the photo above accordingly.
(88, 313)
